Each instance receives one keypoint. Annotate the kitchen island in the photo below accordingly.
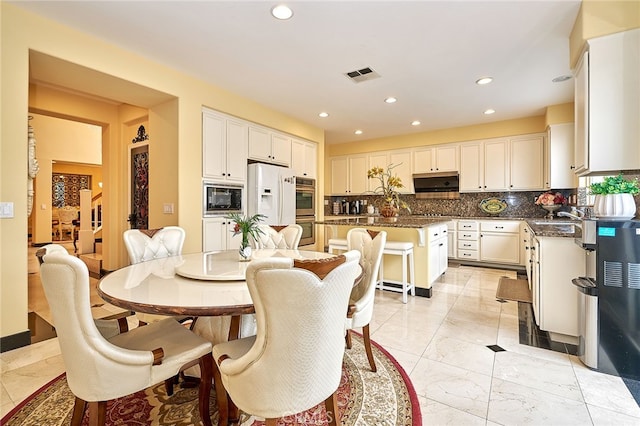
(427, 234)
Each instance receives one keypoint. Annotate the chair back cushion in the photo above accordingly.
(370, 244)
(146, 244)
(281, 237)
(67, 214)
(296, 359)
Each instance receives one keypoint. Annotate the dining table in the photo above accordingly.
(197, 284)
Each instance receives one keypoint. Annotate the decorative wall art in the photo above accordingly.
(139, 217)
(65, 188)
(33, 167)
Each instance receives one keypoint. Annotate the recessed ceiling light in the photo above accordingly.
(358, 132)
(489, 111)
(324, 114)
(561, 78)
(484, 80)
(415, 123)
(282, 12)
(390, 100)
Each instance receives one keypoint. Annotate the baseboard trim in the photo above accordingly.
(15, 341)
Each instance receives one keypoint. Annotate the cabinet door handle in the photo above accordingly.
(499, 227)
(441, 244)
(572, 167)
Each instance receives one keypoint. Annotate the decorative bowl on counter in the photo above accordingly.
(550, 208)
(493, 205)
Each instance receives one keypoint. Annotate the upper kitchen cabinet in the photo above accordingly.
(502, 164)
(436, 159)
(224, 147)
(559, 157)
(607, 90)
(484, 166)
(401, 159)
(349, 175)
(526, 171)
(304, 157)
(268, 146)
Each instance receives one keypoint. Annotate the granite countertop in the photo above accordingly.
(555, 228)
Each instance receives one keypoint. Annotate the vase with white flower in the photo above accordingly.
(248, 227)
(551, 201)
(388, 188)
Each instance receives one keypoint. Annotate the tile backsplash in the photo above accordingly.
(519, 204)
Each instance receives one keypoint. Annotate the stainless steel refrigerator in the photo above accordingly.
(271, 191)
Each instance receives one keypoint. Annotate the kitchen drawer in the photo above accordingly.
(467, 225)
(468, 245)
(468, 254)
(437, 231)
(467, 235)
(500, 226)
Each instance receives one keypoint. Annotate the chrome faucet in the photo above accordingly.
(571, 215)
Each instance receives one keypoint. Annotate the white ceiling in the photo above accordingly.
(428, 54)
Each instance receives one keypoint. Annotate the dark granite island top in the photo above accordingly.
(379, 221)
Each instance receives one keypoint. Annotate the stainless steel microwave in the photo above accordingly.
(221, 199)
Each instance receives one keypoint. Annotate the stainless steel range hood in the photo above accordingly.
(437, 185)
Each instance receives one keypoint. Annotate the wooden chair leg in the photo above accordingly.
(168, 385)
(206, 373)
(97, 413)
(221, 397)
(78, 411)
(347, 338)
(367, 347)
(331, 405)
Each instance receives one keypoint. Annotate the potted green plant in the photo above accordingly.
(248, 227)
(614, 197)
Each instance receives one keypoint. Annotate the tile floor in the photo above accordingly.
(442, 344)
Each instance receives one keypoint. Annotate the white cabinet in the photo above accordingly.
(437, 241)
(502, 164)
(483, 166)
(607, 89)
(349, 175)
(401, 159)
(271, 147)
(452, 243)
(304, 157)
(468, 240)
(559, 157)
(558, 261)
(217, 235)
(526, 171)
(224, 147)
(436, 159)
(500, 241)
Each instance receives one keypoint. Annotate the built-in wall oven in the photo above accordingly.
(221, 199)
(306, 209)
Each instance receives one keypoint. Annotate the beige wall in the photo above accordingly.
(557, 114)
(175, 127)
(601, 17)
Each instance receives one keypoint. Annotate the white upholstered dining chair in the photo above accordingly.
(100, 369)
(370, 244)
(281, 237)
(149, 244)
(66, 216)
(294, 362)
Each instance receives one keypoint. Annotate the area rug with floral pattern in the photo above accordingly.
(364, 398)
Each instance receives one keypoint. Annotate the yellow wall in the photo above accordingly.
(175, 127)
(557, 114)
(601, 17)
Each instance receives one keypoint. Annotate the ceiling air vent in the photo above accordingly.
(361, 75)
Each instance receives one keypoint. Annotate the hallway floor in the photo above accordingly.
(443, 344)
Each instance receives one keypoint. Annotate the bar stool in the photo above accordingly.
(394, 248)
(404, 249)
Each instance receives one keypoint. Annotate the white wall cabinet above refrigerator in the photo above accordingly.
(304, 158)
(268, 146)
(224, 147)
(607, 105)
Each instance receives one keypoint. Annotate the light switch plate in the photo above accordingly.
(167, 208)
(6, 210)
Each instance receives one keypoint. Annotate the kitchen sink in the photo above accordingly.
(555, 223)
